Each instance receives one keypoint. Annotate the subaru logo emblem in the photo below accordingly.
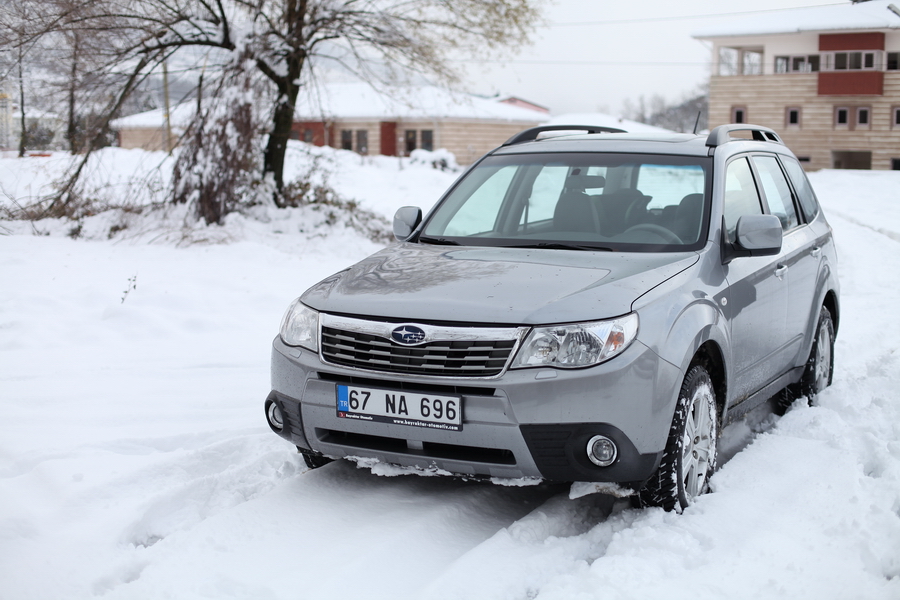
(408, 335)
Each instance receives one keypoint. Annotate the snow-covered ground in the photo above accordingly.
(135, 461)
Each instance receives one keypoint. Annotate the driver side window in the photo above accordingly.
(741, 196)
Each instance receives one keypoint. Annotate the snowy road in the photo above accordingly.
(135, 462)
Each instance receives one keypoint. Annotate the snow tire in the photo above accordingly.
(819, 370)
(690, 455)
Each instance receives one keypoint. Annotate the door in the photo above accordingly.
(757, 294)
(798, 254)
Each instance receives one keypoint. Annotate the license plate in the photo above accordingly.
(399, 408)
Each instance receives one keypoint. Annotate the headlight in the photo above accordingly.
(576, 345)
(300, 326)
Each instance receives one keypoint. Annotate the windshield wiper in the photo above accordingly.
(438, 241)
(562, 246)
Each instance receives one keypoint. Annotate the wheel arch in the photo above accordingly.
(710, 356)
(831, 303)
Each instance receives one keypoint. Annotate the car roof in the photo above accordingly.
(563, 138)
(676, 143)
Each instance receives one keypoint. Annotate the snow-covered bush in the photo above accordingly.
(441, 159)
(220, 170)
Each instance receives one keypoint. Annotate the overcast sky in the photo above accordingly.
(592, 55)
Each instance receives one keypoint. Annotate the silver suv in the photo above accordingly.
(583, 304)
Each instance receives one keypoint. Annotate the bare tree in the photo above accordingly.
(279, 39)
(686, 115)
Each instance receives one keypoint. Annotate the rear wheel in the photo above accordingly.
(690, 455)
(819, 370)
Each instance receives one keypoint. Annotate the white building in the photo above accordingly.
(827, 78)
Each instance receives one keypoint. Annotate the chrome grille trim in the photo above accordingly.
(469, 352)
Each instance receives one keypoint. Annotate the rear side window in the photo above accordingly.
(801, 184)
(741, 196)
(777, 190)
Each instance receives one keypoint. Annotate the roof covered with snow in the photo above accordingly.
(874, 14)
(180, 116)
(604, 120)
(358, 100)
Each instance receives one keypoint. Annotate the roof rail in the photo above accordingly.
(722, 134)
(531, 134)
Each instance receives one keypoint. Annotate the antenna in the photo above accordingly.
(697, 122)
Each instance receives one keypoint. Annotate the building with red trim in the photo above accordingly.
(395, 121)
(826, 77)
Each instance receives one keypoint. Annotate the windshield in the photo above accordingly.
(593, 201)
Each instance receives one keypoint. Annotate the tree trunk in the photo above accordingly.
(72, 128)
(276, 149)
(282, 122)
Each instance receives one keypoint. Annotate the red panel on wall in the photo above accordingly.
(312, 132)
(851, 41)
(388, 138)
(851, 83)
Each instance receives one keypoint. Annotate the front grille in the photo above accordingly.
(448, 350)
(452, 358)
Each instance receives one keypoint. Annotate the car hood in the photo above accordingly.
(511, 286)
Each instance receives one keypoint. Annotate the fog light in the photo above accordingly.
(602, 451)
(273, 414)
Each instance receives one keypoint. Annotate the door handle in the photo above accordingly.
(780, 271)
(816, 252)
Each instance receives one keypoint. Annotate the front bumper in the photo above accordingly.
(524, 423)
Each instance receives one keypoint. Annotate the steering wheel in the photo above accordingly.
(667, 235)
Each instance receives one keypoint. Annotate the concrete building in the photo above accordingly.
(396, 121)
(827, 78)
(151, 130)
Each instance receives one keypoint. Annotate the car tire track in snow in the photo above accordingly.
(563, 536)
(337, 531)
(885, 232)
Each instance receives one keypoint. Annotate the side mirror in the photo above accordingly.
(406, 219)
(756, 235)
(760, 234)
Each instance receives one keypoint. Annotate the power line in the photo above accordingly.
(686, 17)
(589, 63)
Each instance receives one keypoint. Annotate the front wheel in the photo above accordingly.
(690, 455)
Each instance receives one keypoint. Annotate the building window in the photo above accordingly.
(740, 61)
(308, 136)
(808, 63)
(792, 117)
(865, 60)
(863, 114)
(851, 159)
(893, 61)
(346, 139)
(362, 141)
(895, 117)
(752, 61)
(410, 140)
(738, 114)
(842, 117)
(895, 164)
(427, 140)
(728, 61)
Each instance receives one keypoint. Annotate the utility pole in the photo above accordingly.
(21, 107)
(168, 119)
